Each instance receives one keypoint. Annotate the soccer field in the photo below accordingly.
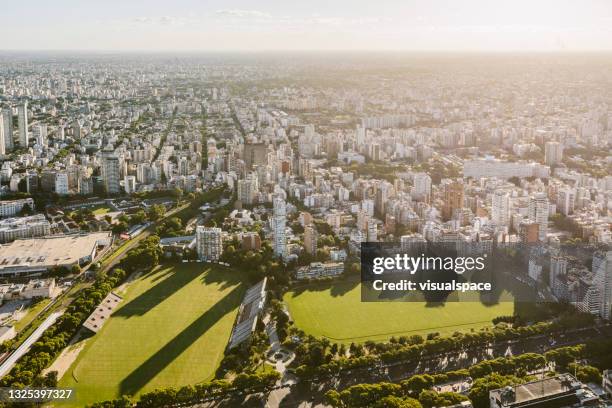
(170, 330)
(335, 311)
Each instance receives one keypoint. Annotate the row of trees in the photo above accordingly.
(145, 256)
(257, 264)
(28, 369)
(325, 363)
(414, 392)
(154, 213)
(418, 390)
(190, 394)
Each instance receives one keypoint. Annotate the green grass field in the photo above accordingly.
(170, 330)
(31, 312)
(335, 311)
(101, 210)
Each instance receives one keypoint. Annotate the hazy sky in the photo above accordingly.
(181, 25)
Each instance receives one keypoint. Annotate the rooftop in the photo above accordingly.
(49, 251)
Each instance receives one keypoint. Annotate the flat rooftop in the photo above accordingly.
(50, 251)
(560, 391)
(539, 389)
(103, 312)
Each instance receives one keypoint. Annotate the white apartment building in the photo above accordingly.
(12, 208)
(566, 200)
(24, 227)
(422, 187)
(24, 135)
(490, 167)
(129, 184)
(279, 226)
(61, 183)
(538, 212)
(7, 125)
(318, 270)
(500, 208)
(3, 148)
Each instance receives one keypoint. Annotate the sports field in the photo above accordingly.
(335, 311)
(171, 330)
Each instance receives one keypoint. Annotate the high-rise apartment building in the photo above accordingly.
(310, 239)
(279, 226)
(553, 153)
(209, 243)
(529, 232)
(422, 187)
(24, 135)
(111, 174)
(453, 198)
(2, 142)
(538, 212)
(61, 183)
(129, 184)
(7, 125)
(566, 200)
(247, 189)
(255, 154)
(500, 208)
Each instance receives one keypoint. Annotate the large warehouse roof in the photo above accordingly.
(45, 253)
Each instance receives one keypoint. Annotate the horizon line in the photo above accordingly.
(310, 50)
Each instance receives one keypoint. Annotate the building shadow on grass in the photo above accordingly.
(141, 376)
(170, 279)
(163, 289)
(336, 288)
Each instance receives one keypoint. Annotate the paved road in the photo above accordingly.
(312, 393)
(25, 346)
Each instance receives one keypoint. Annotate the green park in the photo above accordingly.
(335, 311)
(171, 329)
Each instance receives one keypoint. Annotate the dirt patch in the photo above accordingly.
(63, 362)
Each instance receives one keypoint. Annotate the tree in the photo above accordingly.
(585, 373)
(156, 212)
(479, 392)
(178, 194)
(397, 402)
(119, 228)
(26, 210)
(138, 218)
(430, 398)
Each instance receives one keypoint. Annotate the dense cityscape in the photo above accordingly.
(187, 229)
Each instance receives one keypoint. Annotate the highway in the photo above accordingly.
(25, 346)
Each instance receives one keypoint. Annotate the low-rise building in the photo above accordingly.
(248, 313)
(24, 227)
(318, 270)
(36, 288)
(38, 255)
(337, 255)
(10, 208)
(560, 391)
(103, 312)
